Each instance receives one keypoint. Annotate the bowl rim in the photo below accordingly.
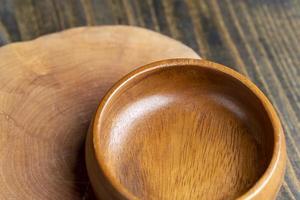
(175, 62)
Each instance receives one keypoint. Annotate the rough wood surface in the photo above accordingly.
(259, 38)
(49, 90)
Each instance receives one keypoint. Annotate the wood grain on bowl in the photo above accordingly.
(49, 90)
(258, 38)
(185, 129)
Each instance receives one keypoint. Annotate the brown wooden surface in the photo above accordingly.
(49, 90)
(185, 129)
(258, 38)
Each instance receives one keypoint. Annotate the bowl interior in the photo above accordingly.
(185, 132)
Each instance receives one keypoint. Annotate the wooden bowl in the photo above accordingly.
(185, 129)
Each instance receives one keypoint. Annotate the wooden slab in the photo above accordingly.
(49, 89)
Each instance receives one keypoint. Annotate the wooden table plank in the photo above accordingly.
(260, 39)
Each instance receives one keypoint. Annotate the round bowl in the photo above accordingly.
(185, 129)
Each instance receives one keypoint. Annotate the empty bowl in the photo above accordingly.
(185, 129)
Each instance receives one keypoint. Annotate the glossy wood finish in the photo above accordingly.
(185, 129)
(258, 38)
(49, 90)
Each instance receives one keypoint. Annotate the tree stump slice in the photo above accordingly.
(49, 90)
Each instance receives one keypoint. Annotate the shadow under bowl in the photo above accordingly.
(185, 129)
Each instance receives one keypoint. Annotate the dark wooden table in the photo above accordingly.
(260, 39)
